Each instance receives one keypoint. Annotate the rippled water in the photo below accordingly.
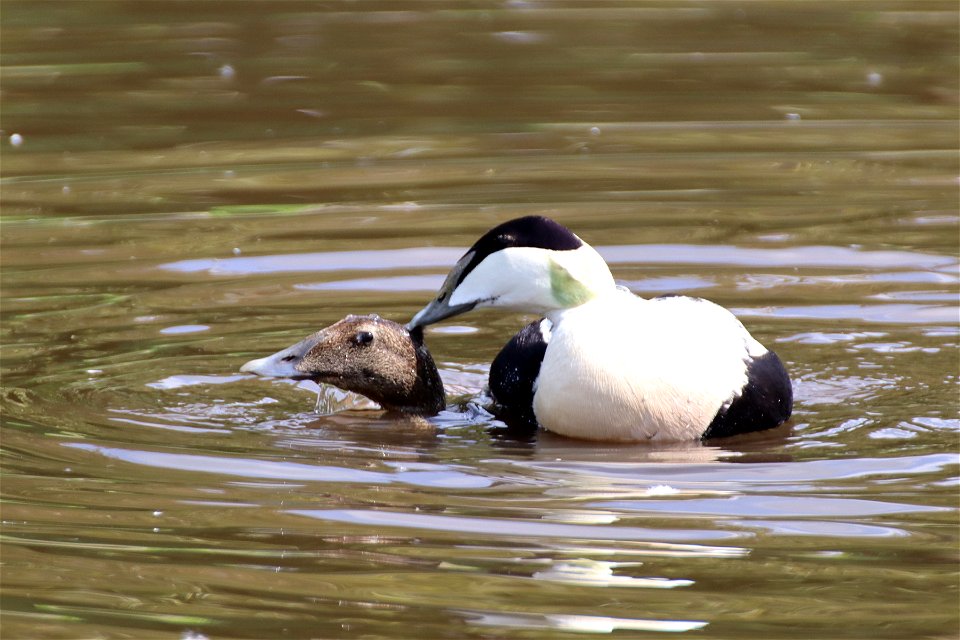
(186, 187)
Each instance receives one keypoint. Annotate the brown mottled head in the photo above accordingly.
(368, 355)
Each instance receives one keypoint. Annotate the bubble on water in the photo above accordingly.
(227, 72)
(874, 79)
(595, 131)
(454, 329)
(184, 328)
(793, 116)
(236, 251)
(16, 140)
(519, 37)
(661, 490)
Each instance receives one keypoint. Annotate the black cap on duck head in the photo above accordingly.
(537, 232)
(365, 354)
(534, 232)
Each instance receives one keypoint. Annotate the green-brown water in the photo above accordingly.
(189, 185)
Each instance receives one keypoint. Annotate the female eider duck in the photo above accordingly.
(604, 364)
(368, 355)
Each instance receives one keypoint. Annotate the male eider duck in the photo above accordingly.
(368, 355)
(604, 364)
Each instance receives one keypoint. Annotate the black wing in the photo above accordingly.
(765, 401)
(514, 372)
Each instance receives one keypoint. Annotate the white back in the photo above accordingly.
(626, 369)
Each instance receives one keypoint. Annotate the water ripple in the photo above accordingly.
(444, 257)
(769, 476)
(766, 506)
(509, 528)
(292, 471)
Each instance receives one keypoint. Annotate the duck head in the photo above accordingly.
(531, 264)
(367, 355)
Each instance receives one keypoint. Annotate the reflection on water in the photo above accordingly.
(584, 624)
(184, 190)
(509, 528)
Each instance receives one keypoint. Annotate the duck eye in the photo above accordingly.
(363, 338)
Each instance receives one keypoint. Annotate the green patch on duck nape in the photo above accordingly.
(567, 290)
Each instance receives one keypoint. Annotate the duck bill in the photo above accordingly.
(437, 311)
(440, 308)
(283, 364)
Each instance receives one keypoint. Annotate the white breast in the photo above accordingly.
(622, 368)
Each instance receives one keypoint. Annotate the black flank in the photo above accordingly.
(512, 375)
(766, 401)
(530, 231)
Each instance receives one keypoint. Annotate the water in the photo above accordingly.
(186, 187)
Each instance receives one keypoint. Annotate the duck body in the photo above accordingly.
(689, 362)
(604, 364)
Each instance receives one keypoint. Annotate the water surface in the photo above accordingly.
(188, 186)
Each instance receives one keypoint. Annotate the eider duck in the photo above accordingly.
(603, 363)
(368, 355)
